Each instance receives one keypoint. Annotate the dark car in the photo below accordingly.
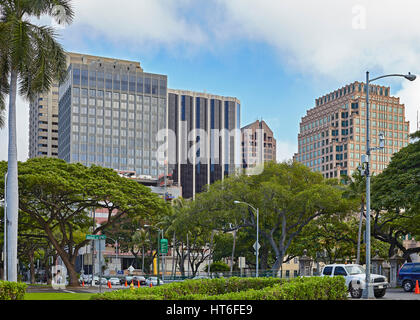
(137, 279)
(126, 279)
(408, 275)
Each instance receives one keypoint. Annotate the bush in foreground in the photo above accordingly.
(311, 288)
(12, 290)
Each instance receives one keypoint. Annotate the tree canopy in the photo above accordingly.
(396, 199)
(58, 197)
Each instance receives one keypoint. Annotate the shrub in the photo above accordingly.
(311, 288)
(12, 290)
(218, 266)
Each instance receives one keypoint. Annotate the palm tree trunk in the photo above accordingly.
(360, 233)
(12, 197)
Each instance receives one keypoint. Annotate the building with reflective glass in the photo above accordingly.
(43, 116)
(205, 142)
(332, 137)
(109, 114)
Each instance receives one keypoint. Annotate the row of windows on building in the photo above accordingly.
(379, 91)
(312, 142)
(121, 82)
(344, 115)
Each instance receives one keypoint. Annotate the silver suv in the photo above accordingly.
(355, 279)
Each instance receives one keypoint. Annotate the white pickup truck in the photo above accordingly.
(355, 279)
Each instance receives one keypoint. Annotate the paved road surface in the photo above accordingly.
(398, 294)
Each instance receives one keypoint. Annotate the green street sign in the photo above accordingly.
(164, 246)
(95, 237)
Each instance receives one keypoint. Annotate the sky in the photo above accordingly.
(276, 57)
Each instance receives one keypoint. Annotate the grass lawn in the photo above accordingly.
(58, 296)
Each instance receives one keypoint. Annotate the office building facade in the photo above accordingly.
(110, 112)
(204, 139)
(258, 144)
(332, 137)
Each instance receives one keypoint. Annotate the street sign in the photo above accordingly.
(131, 269)
(241, 262)
(255, 246)
(95, 237)
(164, 246)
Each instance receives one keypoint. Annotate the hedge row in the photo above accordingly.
(177, 290)
(314, 288)
(12, 290)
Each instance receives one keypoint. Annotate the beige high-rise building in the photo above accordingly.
(258, 144)
(332, 137)
(43, 110)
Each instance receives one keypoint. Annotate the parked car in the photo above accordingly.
(141, 279)
(355, 279)
(408, 275)
(127, 279)
(153, 281)
(103, 281)
(114, 281)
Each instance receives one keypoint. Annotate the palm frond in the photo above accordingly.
(60, 10)
(48, 62)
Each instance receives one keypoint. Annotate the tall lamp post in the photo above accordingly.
(256, 243)
(368, 290)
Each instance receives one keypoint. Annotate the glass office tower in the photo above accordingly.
(206, 139)
(109, 115)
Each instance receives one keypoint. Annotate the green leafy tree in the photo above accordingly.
(30, 55)
(57, 196)
(356, 189)
(396, 199)
(289, 196)
(194, 233)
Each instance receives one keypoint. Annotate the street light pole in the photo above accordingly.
(257, 245)
(368, 290)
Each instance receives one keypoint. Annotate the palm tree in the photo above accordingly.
(30, 55)
(356, 189)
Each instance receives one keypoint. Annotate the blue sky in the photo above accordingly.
(277, 57)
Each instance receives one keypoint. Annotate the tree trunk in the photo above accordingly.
(359, 235)
(69, 261)
(12, 197)
(233, 252)
(32, 266)
(173, 256)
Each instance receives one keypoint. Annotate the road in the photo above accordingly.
(398, 294)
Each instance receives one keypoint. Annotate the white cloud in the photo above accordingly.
(138, 22)
(410, 97)
(285, 150)
(318, 37)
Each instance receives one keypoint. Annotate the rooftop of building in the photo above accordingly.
(205, 95)
(82, 58)
(258, 123)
